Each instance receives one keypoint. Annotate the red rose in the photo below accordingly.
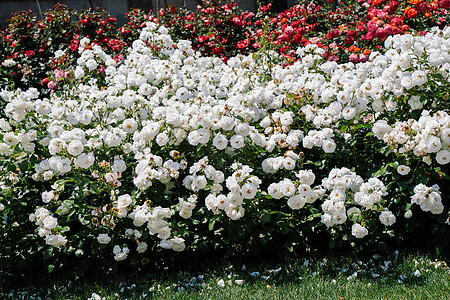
(363, 58)
(393, 5)
(242, 44)
(29, 53)
(45, 81)
(236, 21)
(348, 39)
(396, 21)
(381, 34)
(217, 50)
(86, 21)
(51, 85)
(369, 36)
(297, 38)
(334, 33)
(333, 58)
(285, 37)
(115, 45)
(295, 24)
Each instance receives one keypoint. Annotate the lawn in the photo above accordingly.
(394, 276)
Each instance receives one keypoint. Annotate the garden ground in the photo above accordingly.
(394, 276)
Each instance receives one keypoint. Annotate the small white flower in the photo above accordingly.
(403, 170)
(221, 283)
(75, 148)
(443, 157)
(359, 231)
(387, 218)
(103, 238)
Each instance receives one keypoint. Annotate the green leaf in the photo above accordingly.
(332, 243)
(211, 225)
(380, 172)
(50, 268)
(266, 218)
(23, 166)
(382, 246)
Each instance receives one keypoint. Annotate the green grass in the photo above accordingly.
(405, 277)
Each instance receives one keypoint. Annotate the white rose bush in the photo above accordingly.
(168, 151)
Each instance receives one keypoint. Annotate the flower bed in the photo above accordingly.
(168, 149)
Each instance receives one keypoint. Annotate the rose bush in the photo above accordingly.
(354, 29)
(221, 31)
(169, 149)
(28, 47)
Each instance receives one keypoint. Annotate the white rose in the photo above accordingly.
(50, 222)
(142, 247)
(186, 213)
(387, 218)
(178, 244)
(403, 170)
(91, 64)
(56, 240)
(129, 125)
(328, 146)
(348, 112)
(237, 141)
(79, 72)
(220, 141)
(296, 202)
(124, 201)
(248, 190)
(443, 157)
(359, 231)
(103, 238)
(75, 148)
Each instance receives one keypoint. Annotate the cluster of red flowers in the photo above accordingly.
(351, 32)
(222, 31)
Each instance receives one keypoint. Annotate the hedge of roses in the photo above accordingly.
(169, 150)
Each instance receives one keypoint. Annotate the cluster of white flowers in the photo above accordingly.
(338, 182)
(304, 193)
(287, 162)
(370, 192)
(348, 188)
(187, 206)
(120, 253)
(156, 224)
(204, 177)
(322, 138)
(242, 185)
(428, 198)
(428, 135)
(9, 62)
(348, 91)
(47, 224)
